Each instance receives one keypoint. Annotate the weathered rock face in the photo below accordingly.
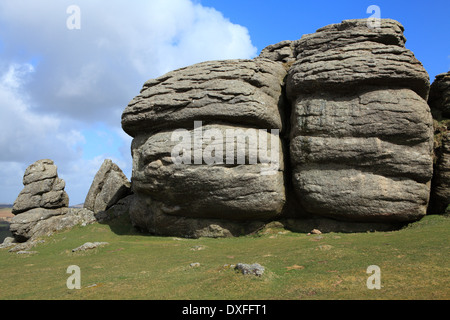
(361, 136)
(228, 99)
(146, 215)
(40, 222)
(283, 51)
(439, 102)
(440, 195)
(246, 92)
(109, 186)
(439, 99)
(42, 206)
(350, 100)
(348, 55)
(43, 188)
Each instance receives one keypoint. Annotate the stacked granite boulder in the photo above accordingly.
(42, 206)
(439, 102)
(43, 189)
(354, 128)
(361, 137)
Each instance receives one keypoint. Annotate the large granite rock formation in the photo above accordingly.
(349, 104)
(361, 137)
(199, 172)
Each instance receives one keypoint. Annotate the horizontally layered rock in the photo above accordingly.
(42, 206)
(440, 194)
(40, 222)
(43, 188)
(439, 102)
(109, 186)
(361, 135)
(345, 56)
(206, 102)
(439, 99)
(281, 52)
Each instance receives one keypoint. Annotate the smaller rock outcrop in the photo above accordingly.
(42, 206)
(89, 246)
(253, 269)
(439, 102)
(40, 222)
(439, 99)
(109, 186)
(440, 193)
(43, 188)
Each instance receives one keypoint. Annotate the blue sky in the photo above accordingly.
(62, 91)
(427, 25)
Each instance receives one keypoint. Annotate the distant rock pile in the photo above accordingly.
(42, 206)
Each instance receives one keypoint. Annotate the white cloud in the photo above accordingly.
(26, 135)
(54, 82)
(88, 72)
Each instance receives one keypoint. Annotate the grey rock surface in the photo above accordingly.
(349, 54)
(283, 51)
(350, 104)
(237, 192)
(242, 96)
(439, 99)
(147, 215)
(439, 102)
(42, 188)
(90, 246)
(440, 193)
(361, 136)
(119, 209)
(109, 186)
(251, 269)
(42, 206)
(244, 92)
(40, 222)
(8, 242)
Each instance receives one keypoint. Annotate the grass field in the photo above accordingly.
(414, 264)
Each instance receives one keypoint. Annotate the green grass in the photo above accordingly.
(414, 264)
